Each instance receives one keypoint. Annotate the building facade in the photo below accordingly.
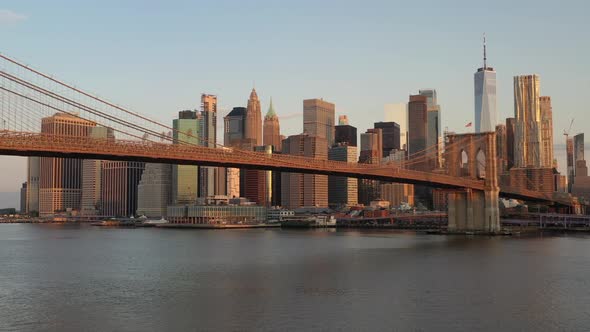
(391, 136)
(253, 128)
(33, 173)
(23, 199)
(60, 179)
(318, 119)
(433, 125)
(510, 132)
(397, 193)
(527, 136)
(216, 214)
(501, 148)
(91, 176)
(119, 181)
(569, 148)
(546, 132)
(272, 129)
(486, 115)
(342, 191)
(417, 127)
(154, 190)
(209, 182)
(304, 190)
(345, 135)
(578, 149)
(185, 178)
(371, 153)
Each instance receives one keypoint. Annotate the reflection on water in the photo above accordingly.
(55, 277)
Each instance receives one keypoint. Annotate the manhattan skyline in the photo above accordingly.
(359, 58)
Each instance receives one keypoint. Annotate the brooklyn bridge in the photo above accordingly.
(28, 95)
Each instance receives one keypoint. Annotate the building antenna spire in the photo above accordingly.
(485, 58)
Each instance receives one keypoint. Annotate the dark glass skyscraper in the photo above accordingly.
(391, 136)
(345, 135)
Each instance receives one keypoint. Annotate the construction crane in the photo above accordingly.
(566, 133)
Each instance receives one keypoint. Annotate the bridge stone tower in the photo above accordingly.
(473, 156)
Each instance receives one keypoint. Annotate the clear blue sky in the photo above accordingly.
(156, 57)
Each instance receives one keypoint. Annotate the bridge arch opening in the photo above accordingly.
(480, 159)
(464, 165)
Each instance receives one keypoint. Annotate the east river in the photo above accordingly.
(75, 278)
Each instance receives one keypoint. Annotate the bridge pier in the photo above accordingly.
(472, 210)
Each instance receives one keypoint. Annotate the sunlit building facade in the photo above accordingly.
(60, 179)
(272, 129)
(209, 177)
(527, 112)
(185, 178)
(318, 119)
(304, 190)
(342, 191)
(547, 159)
(119, 180)
(486, 114)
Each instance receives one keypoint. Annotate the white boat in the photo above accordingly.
(156, 222)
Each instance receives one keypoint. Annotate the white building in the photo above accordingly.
(486, 115)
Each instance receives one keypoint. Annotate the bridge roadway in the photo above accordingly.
(47, 145)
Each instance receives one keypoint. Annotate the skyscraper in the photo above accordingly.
(417, 126)
(398, 113)
(185, 178)
(154, 189)
(501, 148)
(208, 179)
(578, 149)
(527, 136)
(318, 119)
(234, 132)
(91, 176)
(253, 182)
(253, 126)
(32, 207)
(569, 147)
(272, 129)
(272, 139)
(60, 179)
(417, 143)
(510, 131)
(342, 190)
(546, 131)
(234, 126)
(345, 135)
(119, 180)
(304, 190)
(371, 146)
(391, 136)
(486, 116)
(433, 132)
(23, 198)
(371, 153)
